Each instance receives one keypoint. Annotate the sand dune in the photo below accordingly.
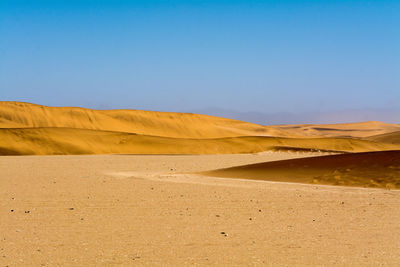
(360, 129)
(29, 129)
(170, 124)
(371, 169)
(167, 124)
(56, 141)
(389, 138)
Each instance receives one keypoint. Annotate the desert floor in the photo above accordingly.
(146, 210)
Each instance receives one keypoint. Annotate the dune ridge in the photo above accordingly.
(167, 124)
(56, 141)
(30, 129)
(388, 138)
(351, 130)
(379, 169)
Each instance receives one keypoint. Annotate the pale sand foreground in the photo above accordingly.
(127, 210)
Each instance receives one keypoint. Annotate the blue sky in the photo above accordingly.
(266, 56)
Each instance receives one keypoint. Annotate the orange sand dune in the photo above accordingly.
(360, 129)
(371, 169)
(168, 124)
(389, 138)
(29, 129)
(171, 124)
(55, 141)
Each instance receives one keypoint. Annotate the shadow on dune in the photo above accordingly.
(9, 152)
(368, 169)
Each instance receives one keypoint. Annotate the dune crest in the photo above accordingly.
(369, 169)
(358, 130)
(388, 138)
(70, 141)
(29, 129)
(166, 124)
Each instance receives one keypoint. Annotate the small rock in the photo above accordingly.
(71, 208)
(27, 211)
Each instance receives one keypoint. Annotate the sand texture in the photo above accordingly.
(389, 138)
(126, 210)
(369, 169)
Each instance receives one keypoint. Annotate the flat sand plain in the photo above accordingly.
(123, 210)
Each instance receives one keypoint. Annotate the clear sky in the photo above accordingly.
(268, 56)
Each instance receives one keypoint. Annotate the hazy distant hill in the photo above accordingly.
(345, 116)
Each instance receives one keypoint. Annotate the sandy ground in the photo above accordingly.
(141, 210)
(380, 169)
